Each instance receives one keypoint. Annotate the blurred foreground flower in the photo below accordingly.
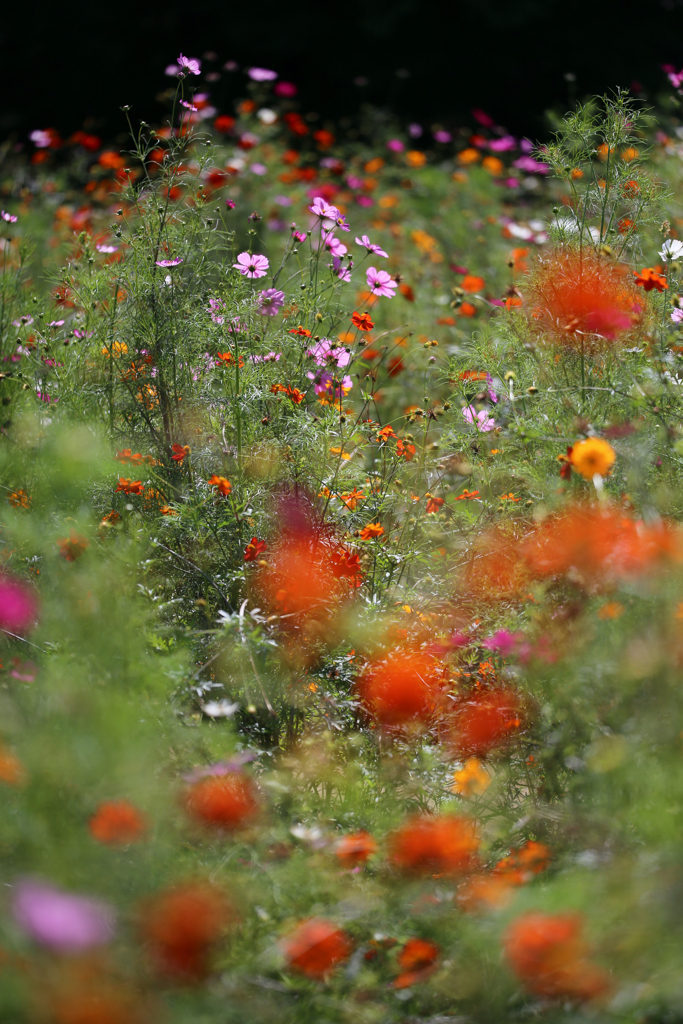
(441, 845)
(417, 960)
(549, 955)
(117, 823)
(225, 801)
(18, 606)
(60, 920)
(401, 687)
(355, 849)
(316, 947)
(182, 926)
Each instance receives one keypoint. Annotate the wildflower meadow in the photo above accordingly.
(341, 596)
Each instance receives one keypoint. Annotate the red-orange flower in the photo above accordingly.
(129, 486)
(222, 485)
(355, 848)
(417, 961)
(127, 456)
(433, 504)
(363, 321)
(371, 531)
(344, 563)
(406, 450)
(549, 955)
(400, 687)
(316, 947)
(472, 283)
(385, 433)
(303, 332)
(180, 451)
(71, 548)
(574, 295)
(485, 720)
(224, 801)
(521, 865)
(649, 278)
(117, 823)
(182, 925)
(254, 548)
(443, 845)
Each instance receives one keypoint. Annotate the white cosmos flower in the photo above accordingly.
(672, 249)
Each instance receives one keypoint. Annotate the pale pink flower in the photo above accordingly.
(215, 305)
(321, 208)
(251, 265)
(342, 272)
(262, 75)
(325, 383)
(107, 248)
(371, 246)
(189, 64)
(326, 351)
(380, 283)
(41, 139)
(481, 420)
(169, 263)
(677, 316)
(61, 920)
(271, 302)
(11, 218)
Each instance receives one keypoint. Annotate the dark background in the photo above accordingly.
(65, 63)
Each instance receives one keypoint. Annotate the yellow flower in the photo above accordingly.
(472, 779)
(118, 349)
(593, 456)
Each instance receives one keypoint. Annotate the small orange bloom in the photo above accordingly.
(417, 961)
(549, 955)
(129, 486)
(406, 450)
(110, 518)
(649, 278)
(180, 451)
(227, 359)
(224, 801)
(469, 156)
(592, 456)
(493, 165)
(355, 849)
(467, 495)
(629, 154)
(303, 332)
(183, 924)
(630, 189)
(425, 845)
(11, 768)
(385, 433)
(434, 504)
(371, 531)
(362, 321)
(19, 499)
(472, 283)
(71, 548)
(416, 158)
(222, 485)
(407, 292)
(117, 823)
(467, 309)
(521, 865)
(254, 548)
(166, 510)
(316, 947)
(401, 687)
(576, 173)
(352, 498)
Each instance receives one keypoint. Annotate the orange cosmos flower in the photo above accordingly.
(316, 947)
(180, 451)
(224, 801)
(425, 845)
(649, 278)
(19, 499)
(417, 961)
(11, 768)
(300, 578)
(472, 283)
(467, 495)
(352, 498)
(549, 955)
(592, 456)
(227, 359)
(303, 332)
(254, 548)
(402, 686)
(129, 486)
(117, 823)
(495, 569)
(485, 720)
(433, 504)
(362, 321)
(407, 292)
(346, 564)
(182, 925)
(222, 485)
(521, 865)
(405, 450)
(110, 518)
(484, 892)
(71, 548)
(355, 849)
(574, 296)
(471, 779)
(371, 531)
(385, 433)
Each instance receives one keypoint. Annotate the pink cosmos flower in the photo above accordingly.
(675, 77)
(480, 419)
(325, 351)
(229, 204)
(325, 383)
(527, 163)
(503, 144)
(107, 248)
(251, 265)
(61, 920)
(18, 606)
(271, 302)
(395, 145)
(380, 283)
(188, 106)
(189, 64)
(286, 89)
(371, 246)
(262, 75)
(9, 217)
(56, 323)
(442, 136)
(321, 208)
(677, 316)
(215, 305)
(415, 130)
(271, 357)
(333, 244)
(24, 320)
(299, 235)
(41, 139)
(169, 263)
(504, 642)
(353, 181)
(342, 272)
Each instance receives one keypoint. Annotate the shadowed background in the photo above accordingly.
(70, 66)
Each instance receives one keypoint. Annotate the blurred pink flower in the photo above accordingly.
(262, 75)
(480, 419)
(299, 235)
(504, 642)
(504, 144)
(371, 246)
(18, 606)
(251, 266)
(41, 139)
(189, 64)
(442, 136)
(325, 383)
(415, 130)
(271, 302)
(395, 145)
(11, 218)
(61, 920)
(287, 89)
(230, 204)
(380, 283)
(677, 316)
(169, 263)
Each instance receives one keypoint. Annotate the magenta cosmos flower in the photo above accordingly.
(169, 263)
(251, 266)
(286, 89)
(326, 351)
(371, 246)
(271, 302)
(333, 244)
(61, 920)
(18, 606)
(262, 75)
(189, 64)
(481, 420)
(395, 145)
(380, 283)
(321, 208)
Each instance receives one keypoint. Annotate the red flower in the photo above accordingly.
(444, 845)
(183, 924)
(405, 450)
(224, 123)
(385, 433)
(486, 720)
(362, 321)
(117, 823)
(180, 451)
(355, 849)
(316, 947)
(548, 954)
(254, 548)
(418, 960)
(345, 564)
(402, 686)
(127, 456)
(649, 279)
(303, 332)
(434, 504)
(222, 485)
(224, 801)
(129, 486)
